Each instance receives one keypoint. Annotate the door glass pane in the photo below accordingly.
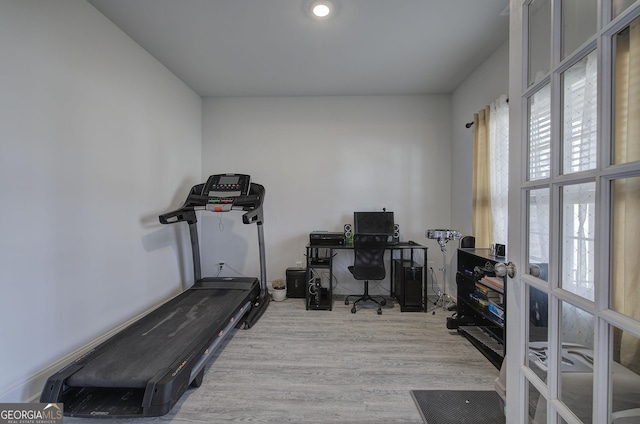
(537, 359)
(624, 375)
(538, 315)
(537, 406)
(579, 113)
(538, 237)
(540, 134)
(539, 13)
(576, 366)
(619, 6)
(579, 20)
(625, 246)
(578, 232)
(627, 94)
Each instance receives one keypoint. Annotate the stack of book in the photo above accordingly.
(483, 295)
(494, 283)
(488, 293)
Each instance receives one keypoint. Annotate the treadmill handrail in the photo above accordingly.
(251, 203)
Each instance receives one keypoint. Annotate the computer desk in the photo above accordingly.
(325, 261)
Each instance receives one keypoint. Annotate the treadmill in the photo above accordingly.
(144, 369)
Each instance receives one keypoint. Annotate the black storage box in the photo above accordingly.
(296, 279)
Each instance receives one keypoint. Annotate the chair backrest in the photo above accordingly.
(369, 250)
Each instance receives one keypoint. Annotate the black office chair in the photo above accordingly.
(368, 265)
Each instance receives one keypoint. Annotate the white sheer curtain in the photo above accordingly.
(499, 167)
(580, 118)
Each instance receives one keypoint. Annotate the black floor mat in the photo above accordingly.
(459, 406)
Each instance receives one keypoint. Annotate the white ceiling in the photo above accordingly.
(275, 48)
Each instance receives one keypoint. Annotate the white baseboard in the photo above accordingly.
(29, 390)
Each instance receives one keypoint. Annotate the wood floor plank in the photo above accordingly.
(299, 366)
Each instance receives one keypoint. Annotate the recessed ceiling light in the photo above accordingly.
(321, 8)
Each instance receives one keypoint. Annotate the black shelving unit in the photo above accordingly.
(482, 313)
(319, 296)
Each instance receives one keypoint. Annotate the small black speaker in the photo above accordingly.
(396, 233)
(348, 233)
(296, 278)
(468, 242)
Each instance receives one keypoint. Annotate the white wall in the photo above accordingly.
(97, 139)
(320, 159)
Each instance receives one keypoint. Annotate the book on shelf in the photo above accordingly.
(480, 300)
(492, 296)
(494, 283)
(496, 313)
(486, 291)
(481, 288)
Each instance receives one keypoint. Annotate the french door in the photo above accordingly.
(574, 212)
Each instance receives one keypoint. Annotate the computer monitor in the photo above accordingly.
(373, 223)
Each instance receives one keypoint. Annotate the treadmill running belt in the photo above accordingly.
(154, 342)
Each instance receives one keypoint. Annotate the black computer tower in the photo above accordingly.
(407, 280)
(296, 286)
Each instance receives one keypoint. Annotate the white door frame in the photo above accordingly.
(604, 317)
(515, 332)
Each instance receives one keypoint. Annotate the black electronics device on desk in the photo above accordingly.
(326, 238)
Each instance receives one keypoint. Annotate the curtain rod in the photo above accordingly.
(470, 124)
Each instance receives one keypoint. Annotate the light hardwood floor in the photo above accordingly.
(299, 366)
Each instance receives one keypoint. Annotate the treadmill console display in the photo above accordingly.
(227, 185)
